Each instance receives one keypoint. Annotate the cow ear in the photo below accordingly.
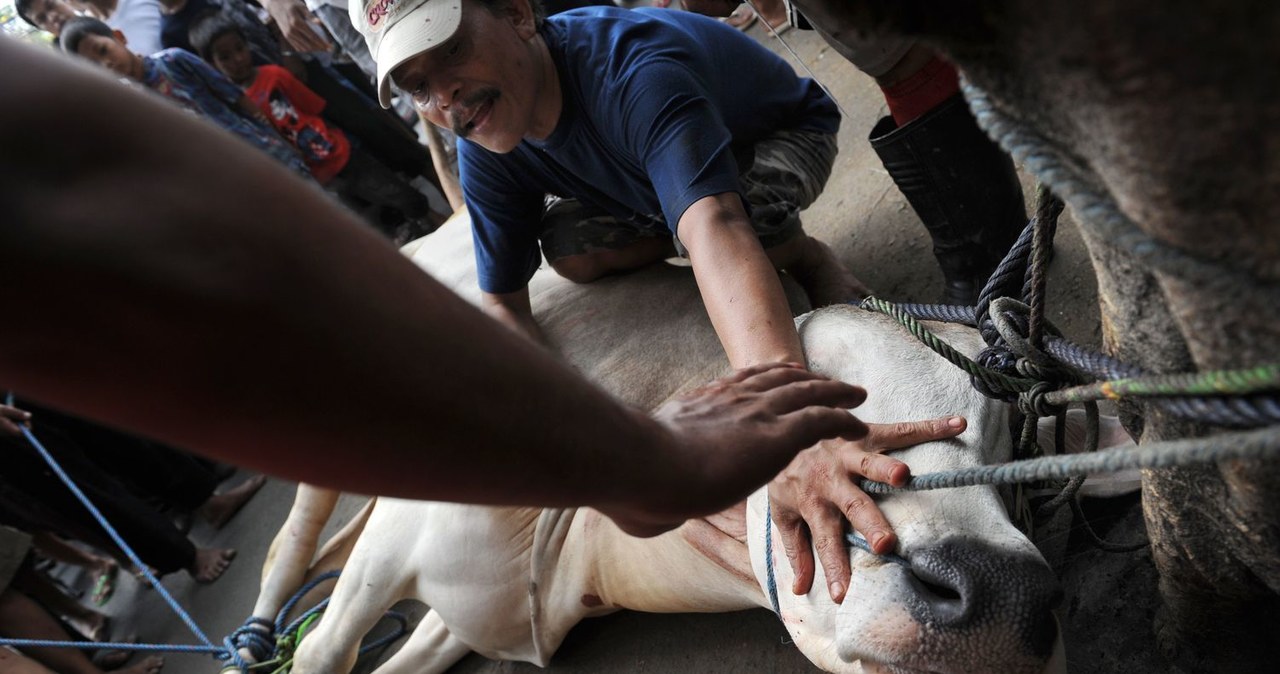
(964, 21)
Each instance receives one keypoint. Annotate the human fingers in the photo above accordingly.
(882, 437)
(12, 419)
(803, 392)
(742, 374)
(868, 464)
(865, 516)
(795, 543)
(812, 425)
(827, 529)
(8, 427)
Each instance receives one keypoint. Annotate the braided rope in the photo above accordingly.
(1263, 378)
(991, 378)
(1246, 410)
(1239, 445)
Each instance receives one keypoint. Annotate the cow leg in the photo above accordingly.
(372, 581)
(333, 556)
(431, 649)
(293, 548)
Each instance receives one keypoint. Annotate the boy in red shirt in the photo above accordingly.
(361, 181)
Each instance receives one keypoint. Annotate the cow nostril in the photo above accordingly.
(941, 591)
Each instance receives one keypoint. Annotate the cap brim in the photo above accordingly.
(426, 27)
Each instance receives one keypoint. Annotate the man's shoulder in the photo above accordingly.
(607, 43)
(605, 24)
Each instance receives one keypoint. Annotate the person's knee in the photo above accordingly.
(580, 268)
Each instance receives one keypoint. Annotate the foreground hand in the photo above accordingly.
(295, 22)
(818, 491)
(12, 420)
(729, 437)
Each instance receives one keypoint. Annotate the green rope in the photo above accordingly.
(1260, 379)
(995, 380)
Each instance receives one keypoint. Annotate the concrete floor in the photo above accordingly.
(864, 217)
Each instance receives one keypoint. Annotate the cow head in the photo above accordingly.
(975, 594)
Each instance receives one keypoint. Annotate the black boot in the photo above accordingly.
(963, 187)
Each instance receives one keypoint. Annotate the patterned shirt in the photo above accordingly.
(183, 78)
(295, 111)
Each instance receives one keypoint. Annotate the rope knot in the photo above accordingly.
(1035, 401)
(1032, 370)
(998, 359)
(251, 643)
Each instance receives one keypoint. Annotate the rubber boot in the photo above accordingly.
(961, 185)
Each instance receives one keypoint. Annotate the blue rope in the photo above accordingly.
(852, 538)
(297, 597)
(379, 643)
(97, 514)
(111, 645)
(247, 636)
(772, 582)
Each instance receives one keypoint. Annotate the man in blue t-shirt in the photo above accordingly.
(606, 140)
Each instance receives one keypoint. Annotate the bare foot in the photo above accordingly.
(741, 18)
(210, 563)
(110, 660)
(220, 508)
(95, 627)
(823, 278)
(149, 665)
(774, 13)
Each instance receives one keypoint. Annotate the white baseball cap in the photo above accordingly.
(398, 30)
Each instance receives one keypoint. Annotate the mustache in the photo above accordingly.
(469, 104)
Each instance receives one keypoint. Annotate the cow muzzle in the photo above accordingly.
(963, 605)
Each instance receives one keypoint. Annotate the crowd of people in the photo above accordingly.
(601, 140)
(309, 111)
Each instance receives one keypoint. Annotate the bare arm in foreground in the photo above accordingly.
(166, 279)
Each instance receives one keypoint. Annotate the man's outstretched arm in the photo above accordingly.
(166, 278)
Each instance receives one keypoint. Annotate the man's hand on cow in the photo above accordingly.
(298, 25)
(13, 419)
(818, 491)
(733, 435)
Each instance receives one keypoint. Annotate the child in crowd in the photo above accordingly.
(47, 15)
(183, 78)
(336, 160)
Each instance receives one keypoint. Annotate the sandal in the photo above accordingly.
(105, 585)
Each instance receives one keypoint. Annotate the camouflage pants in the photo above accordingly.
(786, 173)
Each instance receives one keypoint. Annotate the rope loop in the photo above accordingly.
(996, 359)
(257, 636)
(1035, 401)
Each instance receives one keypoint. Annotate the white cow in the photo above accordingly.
(510, 583)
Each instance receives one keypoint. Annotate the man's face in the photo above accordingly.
(50, 15)
(230, 55)
(111, 53)
(482, 82)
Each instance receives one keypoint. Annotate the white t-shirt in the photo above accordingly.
(139, 20)
(313, 4)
